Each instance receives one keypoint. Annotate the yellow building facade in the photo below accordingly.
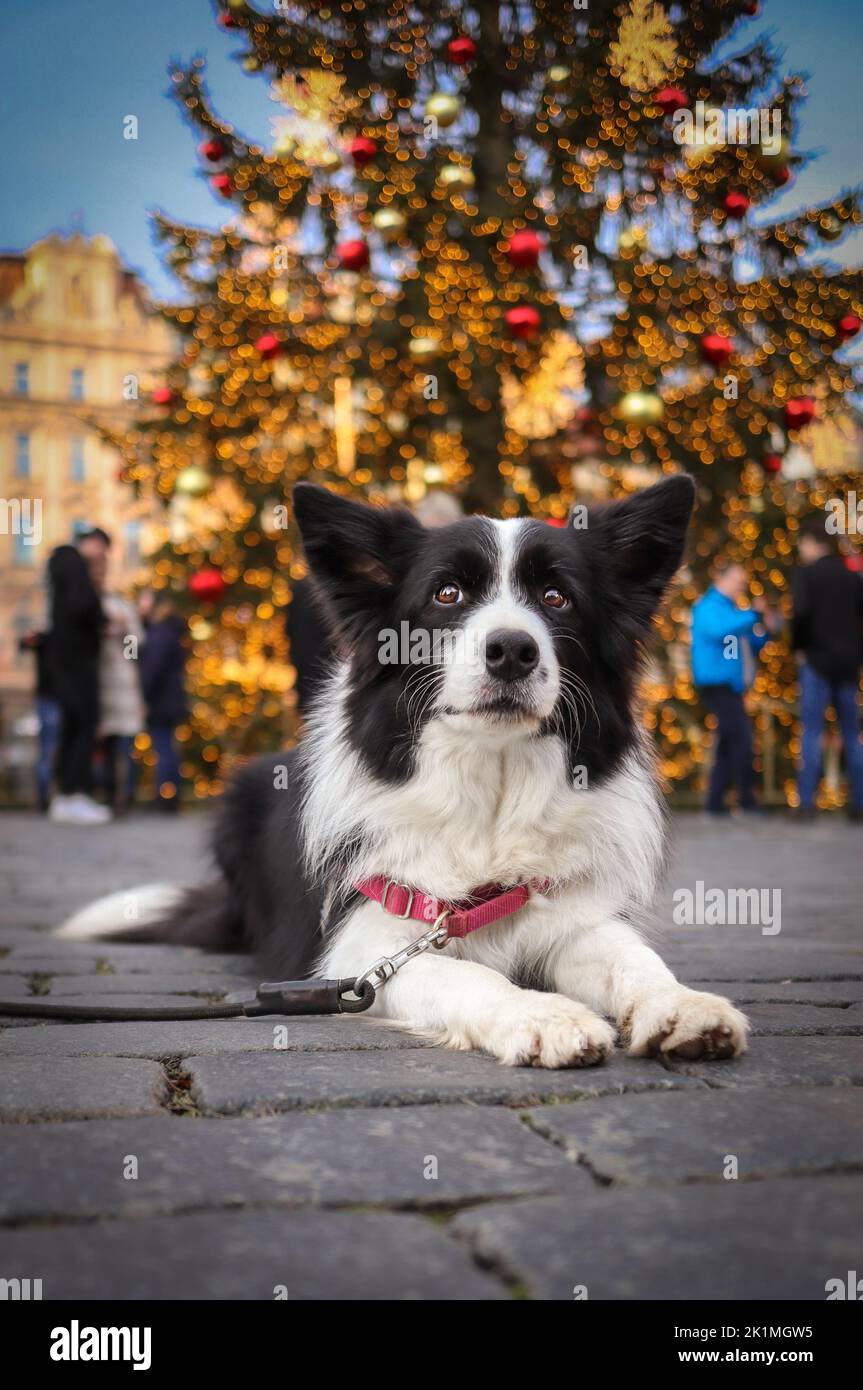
(79, 341)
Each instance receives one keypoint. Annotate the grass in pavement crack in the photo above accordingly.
(179, 1089)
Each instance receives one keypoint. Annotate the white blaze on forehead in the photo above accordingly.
(466, 678)
(507, 537)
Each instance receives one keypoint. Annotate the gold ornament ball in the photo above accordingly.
(193, 481)
(390, 223)
(278, 296)
(444, 108)
(456, 178)
(641, 408)
(559, 75)
(830, 228)
(396, 422)
(632, 237)
(776, 157)
(423, 349)
(201, 630)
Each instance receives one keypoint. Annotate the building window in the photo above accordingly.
(133, 542)
(23, 549)
(77, 470)
(22, 456)
(21, 379)
(76, 384)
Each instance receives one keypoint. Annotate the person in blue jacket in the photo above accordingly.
(163, 665)
(726, 640)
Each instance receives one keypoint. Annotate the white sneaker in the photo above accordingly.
(79, 810)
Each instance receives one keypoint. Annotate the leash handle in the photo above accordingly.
(295, 997)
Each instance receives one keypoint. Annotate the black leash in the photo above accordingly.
(292, 997)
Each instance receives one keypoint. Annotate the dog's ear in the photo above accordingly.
(357, 554)
(643, 539)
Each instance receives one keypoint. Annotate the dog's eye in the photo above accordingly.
(553, 598)
(448, 593)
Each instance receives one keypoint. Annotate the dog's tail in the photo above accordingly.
(204, 917)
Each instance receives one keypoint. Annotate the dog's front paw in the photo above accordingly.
(687, 1024)
(544, 1030)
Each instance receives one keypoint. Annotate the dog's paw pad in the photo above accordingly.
(688, 1025)
(546, 1030)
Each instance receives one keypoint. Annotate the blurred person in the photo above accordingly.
(121, 703)
(76, 627)
(827, 635)
(163, 668)
(48, 713)
(726, 640)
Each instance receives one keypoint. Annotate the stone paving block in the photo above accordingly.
(685, 1137)
(787, 1062)
(379, 1157)
(802, 1020)
(778, 1239)
(185, 983)
(79, 1088)
(202, 1037)
(26, 966)
(14, 987)
(279, 1082)
(133, 959)
(772, 959)
(233, 1256)
(835, 993)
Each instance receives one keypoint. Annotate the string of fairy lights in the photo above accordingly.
(476, 255)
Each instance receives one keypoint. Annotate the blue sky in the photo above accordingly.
(70, 70)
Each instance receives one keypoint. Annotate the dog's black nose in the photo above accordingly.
(510, 655)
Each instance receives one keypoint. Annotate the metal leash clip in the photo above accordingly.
(383, 969)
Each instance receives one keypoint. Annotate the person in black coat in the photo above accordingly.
(163, 680)
(76, 625)
(828, 637)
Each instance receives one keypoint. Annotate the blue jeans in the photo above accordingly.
(167, 762)
(732, 753)
(50, 721)
(817, 694)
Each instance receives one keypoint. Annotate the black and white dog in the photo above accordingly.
(508, 756)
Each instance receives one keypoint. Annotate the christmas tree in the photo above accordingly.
(519, 251)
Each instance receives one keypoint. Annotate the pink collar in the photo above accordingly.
(484, 906)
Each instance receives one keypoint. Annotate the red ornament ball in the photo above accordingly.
(363, 150)
(771, 463)
(213, 150)
(782, 175)
(220, 183)
(523, 249)
(461, 50)
(736, 204)
(163, 395)
(523, 321)
(268, 345)
(227, 21)
(799, 412)
(671, 99)
(353, 255)
(849, 326)
(207, 585)
(716, 349)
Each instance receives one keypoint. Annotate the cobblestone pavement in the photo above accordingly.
(197, 1160)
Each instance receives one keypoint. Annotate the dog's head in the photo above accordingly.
(501, 630)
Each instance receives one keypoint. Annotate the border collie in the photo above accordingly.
(508, 755)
